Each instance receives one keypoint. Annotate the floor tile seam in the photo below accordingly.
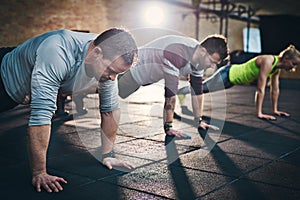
(235, 137)
(219, 187)
(139, 114)
(196, 148)
(74, 174)
(134, 122)
(283, 127)
(132, 139)
(244, 178)
(270, 159)
(209, 172)
(164, 159)
(135, 113)
(118, 185)
(115, 175)
(296, 120)
(134, 189)
(206, 171)
(153, 140)
(271, 184)
(192, 146)
(137, 138)
(242, 135)
(145, 102)
(82, 185)
(288, 153)
(276, 159)
(249, 156)
(160, 141)
(132, 156)
(122, 173)
(252, 131)
(83, 150)
(120, 124)
(228, 175)
(71, 144)
(131, 136)
(152, 162)
(245, 174)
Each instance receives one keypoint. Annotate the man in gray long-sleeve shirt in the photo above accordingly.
(168, 58)
(70, 61)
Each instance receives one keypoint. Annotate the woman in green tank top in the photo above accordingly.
(257, 69)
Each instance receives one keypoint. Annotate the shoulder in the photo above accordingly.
(172, 39)
(264, 60)
(176, 54)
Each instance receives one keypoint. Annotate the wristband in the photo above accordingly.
(197, 121)
(167, 126)
(109, 154)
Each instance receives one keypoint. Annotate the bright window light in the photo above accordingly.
(254, 43)
(154, 15)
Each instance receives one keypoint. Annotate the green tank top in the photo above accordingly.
(248, 72)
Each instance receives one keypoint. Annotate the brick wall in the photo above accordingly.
(23, 19)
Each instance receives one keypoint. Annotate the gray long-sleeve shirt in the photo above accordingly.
(167, 58)
(36, 69)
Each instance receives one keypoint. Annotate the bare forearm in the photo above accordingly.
(169, 108)
(259, 98)
(38, 141)
(109, 127)
(197, 104)
(274, 97)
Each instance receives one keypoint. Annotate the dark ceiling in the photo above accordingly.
(272, 7)
(261, 7)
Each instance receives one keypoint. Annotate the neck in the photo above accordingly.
(279, 64)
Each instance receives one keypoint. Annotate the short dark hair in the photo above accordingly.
(117, 42)
(216, 44)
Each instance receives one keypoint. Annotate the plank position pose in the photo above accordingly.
(34, 71)
(167, 58)
(259, 69)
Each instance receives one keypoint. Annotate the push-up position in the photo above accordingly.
(168, 58)
(36, 70)
(257, 69)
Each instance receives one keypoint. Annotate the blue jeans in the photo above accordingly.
(218, 81)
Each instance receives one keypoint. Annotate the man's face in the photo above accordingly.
(113, 69)
(206, 60)
(101, 68)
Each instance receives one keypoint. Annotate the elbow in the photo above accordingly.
(274, 92)
(260, 91)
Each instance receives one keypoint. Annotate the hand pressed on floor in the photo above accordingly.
(111, 162)
(48, 182)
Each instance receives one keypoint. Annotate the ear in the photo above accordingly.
(202, 50)
(98, 52)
